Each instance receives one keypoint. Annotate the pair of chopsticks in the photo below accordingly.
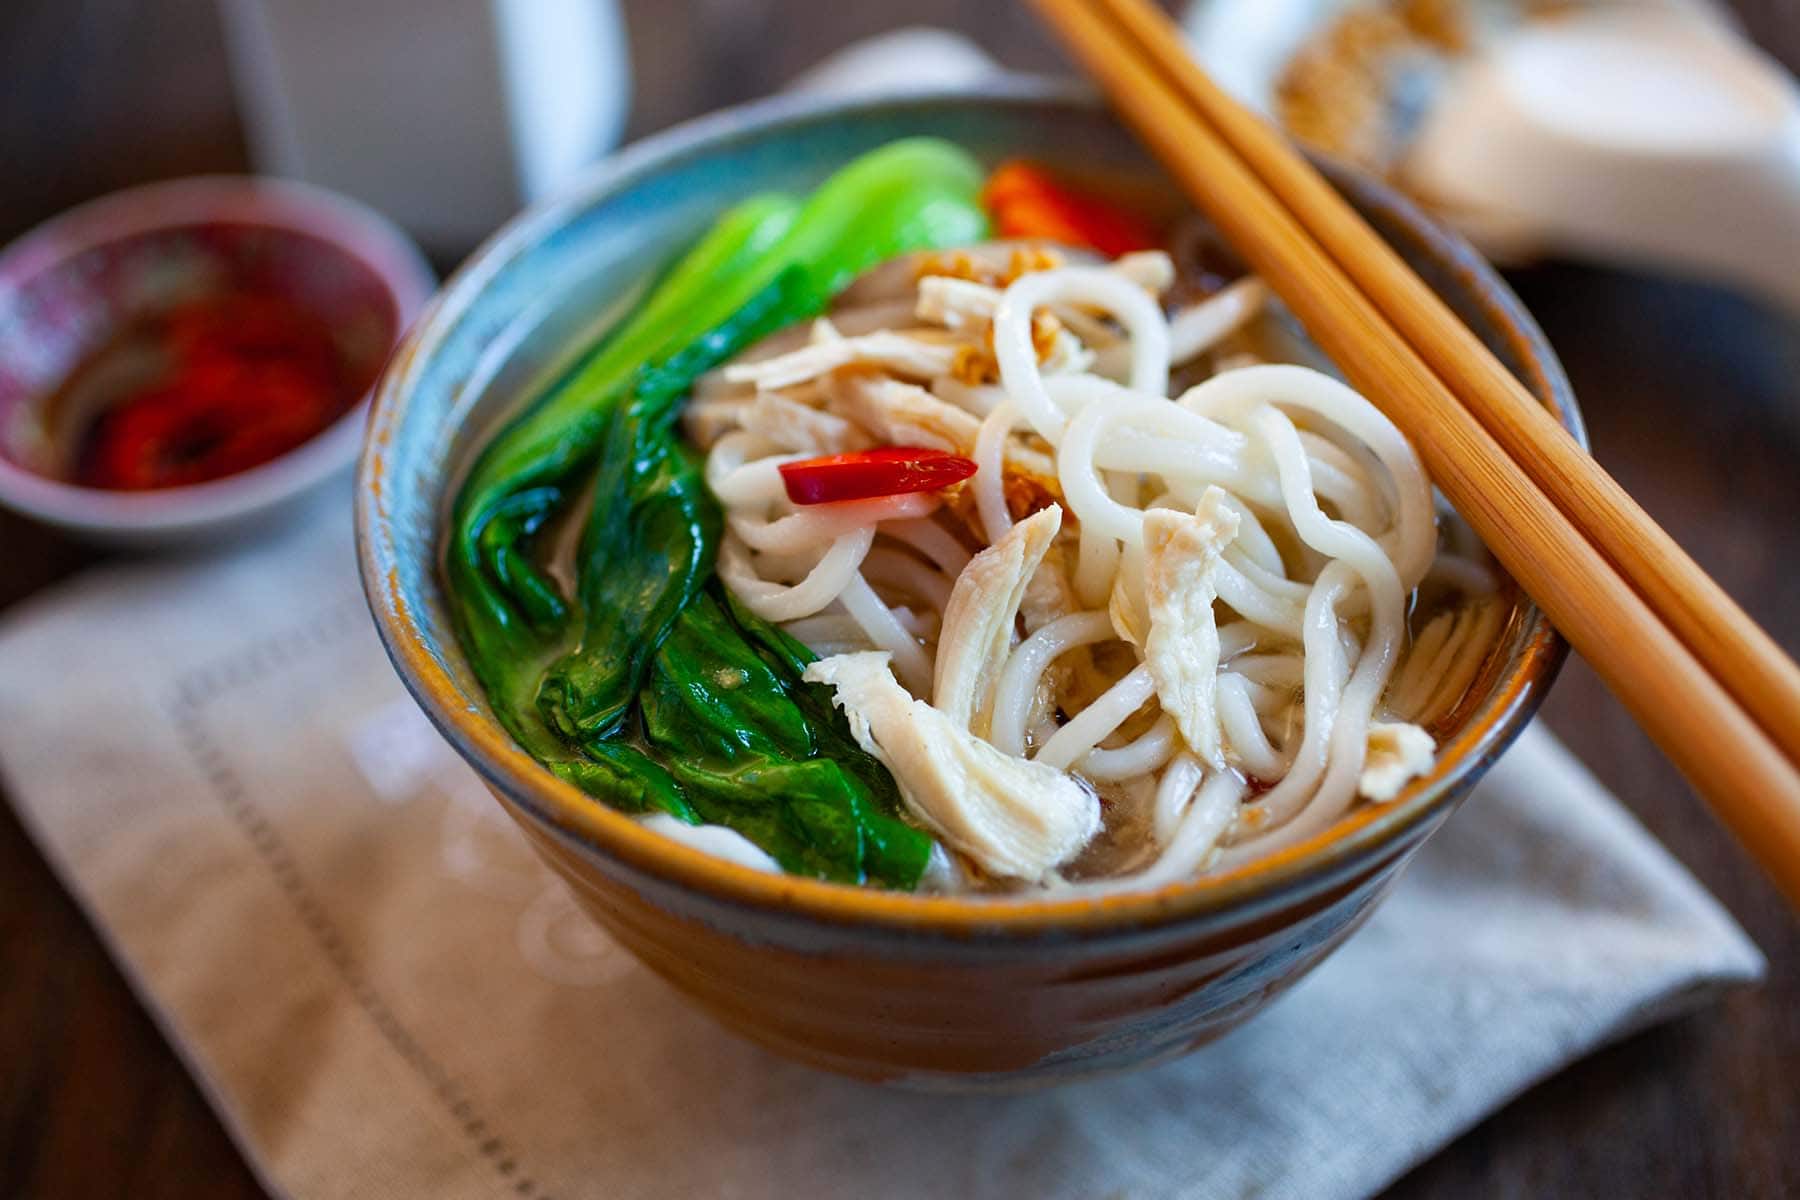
(1714, 691)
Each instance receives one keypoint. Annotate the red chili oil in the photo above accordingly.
(204, 389)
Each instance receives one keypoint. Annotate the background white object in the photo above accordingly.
(1245, 44)
(915, 58)
(1625, 135)
(1639, 132)
(446, 115)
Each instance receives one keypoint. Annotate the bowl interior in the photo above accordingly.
(548, 284)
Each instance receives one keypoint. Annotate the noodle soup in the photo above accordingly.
(969, 535)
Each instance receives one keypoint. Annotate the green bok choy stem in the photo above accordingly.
(651, 688)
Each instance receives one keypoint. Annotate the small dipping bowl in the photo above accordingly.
(67, 286)
(931, 991)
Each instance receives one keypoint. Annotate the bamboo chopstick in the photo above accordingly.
(1722, 750)
(1732, 646)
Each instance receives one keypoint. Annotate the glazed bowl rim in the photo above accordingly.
(351, 229)
(579, 820)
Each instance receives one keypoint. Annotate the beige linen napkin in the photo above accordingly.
(385, 995)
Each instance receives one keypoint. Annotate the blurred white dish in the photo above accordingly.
(1645, 132)
(1632, 136)
(918, 58)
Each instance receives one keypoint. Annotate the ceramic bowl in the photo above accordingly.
(930, 991)
(69, 283)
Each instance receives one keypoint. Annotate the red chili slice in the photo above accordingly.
(866, 474)
(1028, 202)
(244, 377)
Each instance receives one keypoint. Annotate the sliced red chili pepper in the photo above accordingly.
(1027, 202)
(247, 377)
(866, 474)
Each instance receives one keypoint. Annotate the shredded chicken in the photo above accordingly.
(1181, 552)
(1198, 328)
(1152, 270)
(1065, 336)
(956, 303)
(1398, 752)
(980, 618)
(901, 413)
(1016, 818)
(918, 354)
(1125, 609)
(998, 263)
(706, 421)
(798, 427)
(1048, 593)
(1059, 352)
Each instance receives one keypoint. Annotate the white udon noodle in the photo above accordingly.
(1336, 528)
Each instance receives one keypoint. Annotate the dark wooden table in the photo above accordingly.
(1693, 402)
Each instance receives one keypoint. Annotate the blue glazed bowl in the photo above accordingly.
(935, 991)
